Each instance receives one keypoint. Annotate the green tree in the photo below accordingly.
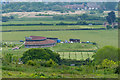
(111, 17)
(54, 56)
(35, 53)
(107, 52)
(38, 53)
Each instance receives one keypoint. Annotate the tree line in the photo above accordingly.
(55, 6)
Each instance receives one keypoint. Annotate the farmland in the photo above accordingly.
(53, 27)
(63, 55)
(101, 37)
(64, 21)
(64, 60)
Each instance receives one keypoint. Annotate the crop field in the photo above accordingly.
(76, 55)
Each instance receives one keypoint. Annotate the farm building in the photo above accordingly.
(75, 40)
(38, 42)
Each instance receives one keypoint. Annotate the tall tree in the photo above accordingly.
(111, 17)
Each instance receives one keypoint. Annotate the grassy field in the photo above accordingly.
(66, 51)
(25, 71)
(49, 27)
(36, 22)
(101, 37)
(73, 47)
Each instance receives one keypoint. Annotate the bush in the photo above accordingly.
(107, 52)
(115, 27)
(108, 27)
(38, 75)
(43, 54)
(30, 62)
(50, 63)
(10, 74)
(109, 64)
(117, 70)
(7, 58)
(79, 69)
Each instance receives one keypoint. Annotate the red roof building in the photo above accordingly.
(38, 42)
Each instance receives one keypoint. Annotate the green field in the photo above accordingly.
(76, 55)
(49, 27)
(101, 37)
(72, 51)
(36, 22)
(66, 50)
(74, 47)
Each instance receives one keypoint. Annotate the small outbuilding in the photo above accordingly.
(75, 40)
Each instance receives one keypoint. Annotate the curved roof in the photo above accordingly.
(36, 38)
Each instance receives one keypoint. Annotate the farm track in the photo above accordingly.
(54, 30)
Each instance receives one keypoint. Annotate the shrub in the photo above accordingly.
(38, 75)
(30, 62)
(54, 56)
(79, 69)
(10, 74)
(117, 70)
(108, 27)
(59, 76)
(50, 63)
(107, 52)
(43, 54)
(7, 58)
(109, 64)
(115, 27)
